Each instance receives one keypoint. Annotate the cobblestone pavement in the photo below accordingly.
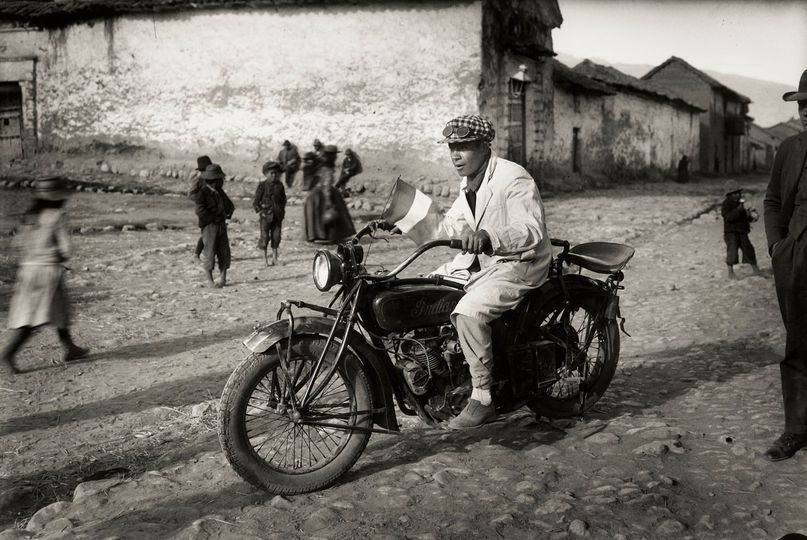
(672, 450)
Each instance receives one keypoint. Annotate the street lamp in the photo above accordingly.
(518, 81)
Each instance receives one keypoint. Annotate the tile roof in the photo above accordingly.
(615, 78)
(564, 76)
(711, 81)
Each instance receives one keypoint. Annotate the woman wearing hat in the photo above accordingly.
(326, 215)
(40, 296)
(736, 227)
(785, 225)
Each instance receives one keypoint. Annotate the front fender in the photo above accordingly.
(268, 335)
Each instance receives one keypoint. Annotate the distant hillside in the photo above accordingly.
(767, 107)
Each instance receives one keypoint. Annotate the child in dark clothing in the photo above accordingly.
(270, 204)
(201, 164)
(214, 208)
(736, 226)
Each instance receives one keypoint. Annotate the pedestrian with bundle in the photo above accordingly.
(351, 166)
(270, 204)
(737, 221)
(40, 295)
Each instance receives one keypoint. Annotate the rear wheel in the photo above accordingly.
(288, 451)
(586, 353)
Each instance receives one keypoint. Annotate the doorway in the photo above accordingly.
(576, 150)
(10, 120)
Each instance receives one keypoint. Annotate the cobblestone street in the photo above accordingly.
(673, 449)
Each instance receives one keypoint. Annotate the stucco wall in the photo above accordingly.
(237, 83)
(622, 134)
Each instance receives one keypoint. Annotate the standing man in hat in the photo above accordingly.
(270, 204)
(214, 208)
(289, 160)
(40, 296)
(201, 163)
(785, 225)
(499, 216)
(737, 221)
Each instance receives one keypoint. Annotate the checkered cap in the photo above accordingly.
(479, 129)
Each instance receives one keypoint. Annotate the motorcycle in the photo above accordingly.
(298, 412)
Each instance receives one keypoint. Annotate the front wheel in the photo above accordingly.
(283, 449)
(586, 353)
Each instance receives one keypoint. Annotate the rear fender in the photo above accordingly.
(574, 283)
(266, 336)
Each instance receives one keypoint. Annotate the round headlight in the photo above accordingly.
(327, 270)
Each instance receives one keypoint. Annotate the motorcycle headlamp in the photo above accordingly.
(327, 270)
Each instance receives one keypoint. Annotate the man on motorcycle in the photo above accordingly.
(506, 251)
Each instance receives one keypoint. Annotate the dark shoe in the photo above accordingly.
(786, 446)
(74, 352)
(473, 415)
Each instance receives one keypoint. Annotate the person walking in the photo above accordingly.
(201, 163)
(270, 204)
(40, 296)
(289, 160)
(214, 208)
(737, 221)
(310, 166)
(326, 216)
(785, 224)
(683, 169)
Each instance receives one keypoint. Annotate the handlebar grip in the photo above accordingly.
(455, 243)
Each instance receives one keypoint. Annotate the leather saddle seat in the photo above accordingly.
(600, 257)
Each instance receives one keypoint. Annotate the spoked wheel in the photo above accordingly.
(275, 444)
(586, 354)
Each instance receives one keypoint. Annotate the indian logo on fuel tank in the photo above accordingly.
(424, 307)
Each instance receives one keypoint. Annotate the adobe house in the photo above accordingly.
(607, 123)
(234, 78)
(724, 122)
(762, 148)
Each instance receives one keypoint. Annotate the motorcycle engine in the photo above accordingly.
(433, 366)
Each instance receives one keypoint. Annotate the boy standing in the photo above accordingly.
(214, 208)
(736, 226)
(270, 204)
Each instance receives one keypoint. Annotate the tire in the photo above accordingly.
(575, 392)
(252, 417)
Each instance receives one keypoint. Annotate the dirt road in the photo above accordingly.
(123, 444)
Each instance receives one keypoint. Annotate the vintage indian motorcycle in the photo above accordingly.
(298, 412)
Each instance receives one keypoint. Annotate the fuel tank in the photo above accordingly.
(406, 307)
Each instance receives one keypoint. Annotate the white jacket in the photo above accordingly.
(510, 210)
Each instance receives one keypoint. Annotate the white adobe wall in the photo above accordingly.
(381, 80)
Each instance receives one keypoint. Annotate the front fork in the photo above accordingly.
(345, 315)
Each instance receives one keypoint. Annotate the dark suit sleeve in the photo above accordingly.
(256, 201)
(229, 207)
(775, 225)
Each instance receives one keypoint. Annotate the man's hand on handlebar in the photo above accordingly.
(476, 242)
(381, 225)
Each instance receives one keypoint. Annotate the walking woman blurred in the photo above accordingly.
(326, 216)
(40, 296)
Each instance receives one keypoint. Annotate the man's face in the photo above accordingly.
(803, 114)
(468, 156)
(272, 174)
